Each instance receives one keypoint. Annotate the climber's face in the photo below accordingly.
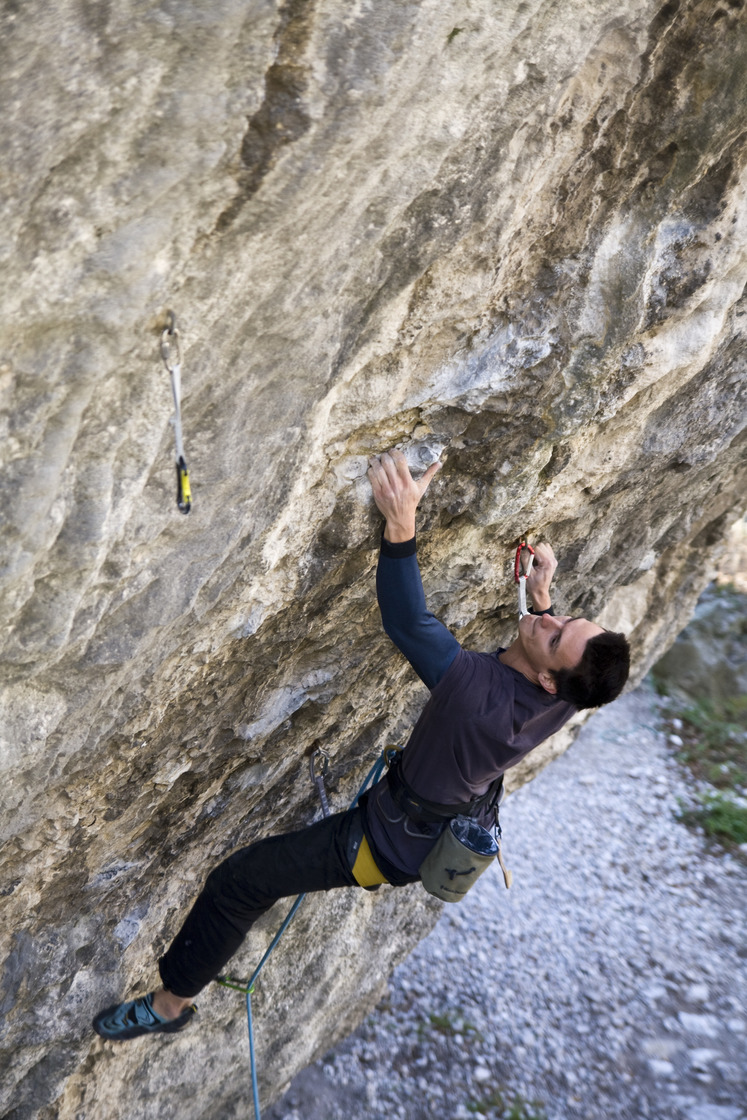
(552, 642)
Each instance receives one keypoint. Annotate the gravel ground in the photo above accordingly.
(609, 982)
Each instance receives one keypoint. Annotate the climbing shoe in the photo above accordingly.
(133, 1019)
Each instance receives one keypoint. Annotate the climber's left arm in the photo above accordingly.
(426, 643)
(397, 494)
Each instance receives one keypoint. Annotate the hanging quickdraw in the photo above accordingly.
(521, 576)
(169, 339)
(317, 770)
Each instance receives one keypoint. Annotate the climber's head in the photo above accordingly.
(574, 659)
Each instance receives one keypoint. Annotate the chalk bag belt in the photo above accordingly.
(433, 812)
(421, 811)
(521, 576)
(173, 363)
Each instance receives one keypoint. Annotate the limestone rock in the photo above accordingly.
(709, 659)
(732, 571)
(513, 233)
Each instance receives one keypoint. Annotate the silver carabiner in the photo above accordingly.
(314, 774)
(520, 574)
(171, 336)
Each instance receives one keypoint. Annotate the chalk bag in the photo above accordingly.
(458, 858)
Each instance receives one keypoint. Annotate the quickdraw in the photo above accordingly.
(521, 576)
(169, 339)
(317, 770)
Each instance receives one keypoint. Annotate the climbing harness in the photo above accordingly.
(421, 811)
(459, 842)
(317, 771)
(521, 576)
(173, 363)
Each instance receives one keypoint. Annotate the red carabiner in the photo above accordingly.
(517, 564)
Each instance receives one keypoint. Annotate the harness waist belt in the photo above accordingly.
(433, 812)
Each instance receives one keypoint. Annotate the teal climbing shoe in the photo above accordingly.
(136, 1018)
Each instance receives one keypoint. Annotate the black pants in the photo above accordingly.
(246, 884)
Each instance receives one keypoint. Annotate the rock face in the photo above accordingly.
(709, 659)
(515, 233)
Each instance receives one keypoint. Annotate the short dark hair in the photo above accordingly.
(600, 675)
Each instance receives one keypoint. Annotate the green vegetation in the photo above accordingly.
(714, 735)
(492, 1102)
(443, 1023)
(661, 688)
(720, 818)
(449, 1023)
(525, 1110)
(714, 749)
(498, 1105)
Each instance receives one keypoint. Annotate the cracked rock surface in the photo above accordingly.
(512, 233)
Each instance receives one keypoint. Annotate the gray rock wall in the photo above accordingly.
(708, 661)
(514, 233)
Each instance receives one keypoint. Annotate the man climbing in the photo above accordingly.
(486, 711)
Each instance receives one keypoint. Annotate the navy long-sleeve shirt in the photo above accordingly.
(482, 717)
(426, 643)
